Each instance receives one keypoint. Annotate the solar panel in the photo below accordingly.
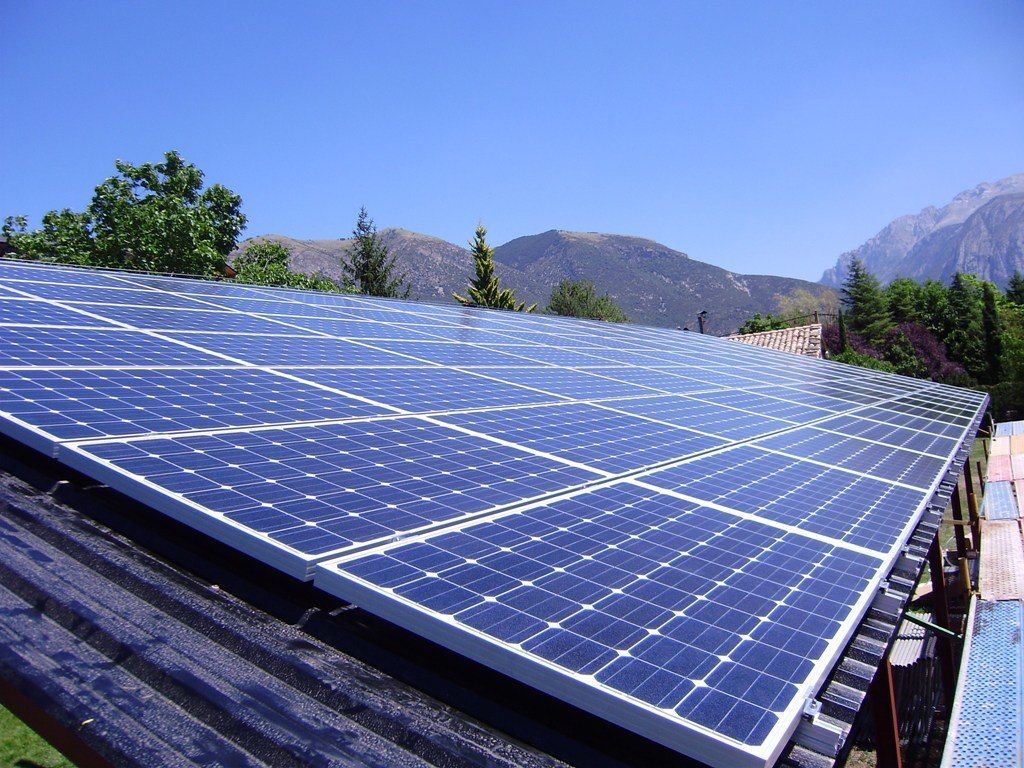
(676, 532)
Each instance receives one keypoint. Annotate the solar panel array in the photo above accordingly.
(676, 532)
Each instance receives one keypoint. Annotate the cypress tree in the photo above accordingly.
(485, 289)
(844, 340)
(992, 334)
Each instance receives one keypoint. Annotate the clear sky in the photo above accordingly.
(762, 137)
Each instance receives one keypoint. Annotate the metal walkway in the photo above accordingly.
(987, 721)
(987, 726)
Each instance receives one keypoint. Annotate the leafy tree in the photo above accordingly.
(579, 298)
(266, 263)
(991, 334)
(852, 357)
(64, 237)
(154, 217)
(485, 290)
(1015, 289)
(867, 313)
(369, 266)
(760, 323)
(933, 307)
(903, 300)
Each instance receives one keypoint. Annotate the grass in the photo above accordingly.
(21, 747)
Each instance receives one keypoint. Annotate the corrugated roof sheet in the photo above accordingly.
(802, 340)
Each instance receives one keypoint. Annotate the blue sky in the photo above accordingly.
(761, 137)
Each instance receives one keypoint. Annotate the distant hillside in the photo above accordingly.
(652, 282)
(980, 231)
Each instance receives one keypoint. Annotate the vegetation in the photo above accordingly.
(802, 303)
(579, 298)
(966, 334)
(266, 263)
(154, 217)
(485, 289)
(760, 323)
(20, 746)
(369, 267)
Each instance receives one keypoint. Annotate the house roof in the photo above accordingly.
(802, 340)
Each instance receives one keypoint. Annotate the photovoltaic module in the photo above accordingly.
(676, 532)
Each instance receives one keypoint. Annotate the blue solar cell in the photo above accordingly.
(705, 417)
(567, 382)
(451, 353)
(422, 389)
(859, 510)
(920, 423)
(320, 489)
(764, 405)
(891, 435)
(56, 347)
(354, 329)
(187, 319)
(656, 380)
(610, 441)
(886, 462)
(686, 613)
(32, 312)
(80, 404)
(12, 272)
(272, 304)
(103, 295)
(289, 350)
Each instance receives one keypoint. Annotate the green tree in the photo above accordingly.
(844, 339)
(964, 337)
(154, 216)
(760, 323)
(933, 307)
(903, 300)
(1015, 289)
(991, 334)
(369, 266)
(579, 298)
(64, 237)
(266, 262)
(867, 314)
(485, 289)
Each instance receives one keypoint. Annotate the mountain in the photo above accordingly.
(980, 231)
(653, 283)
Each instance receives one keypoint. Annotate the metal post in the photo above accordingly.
(887, 729)
(958, 530)
(981, 476)
(972, 508)
(940, 609)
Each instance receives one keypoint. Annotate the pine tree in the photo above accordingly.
(1015, 289)
(485, 290)
(867, 313)
(369, 266)
(991, 334)
(966, 325)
